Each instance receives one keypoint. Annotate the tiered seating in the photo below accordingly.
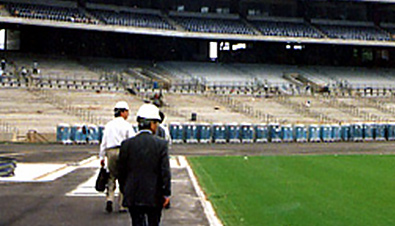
(366, 108)
(358, 77)
(272, 107)
(44, 12)
(213, 25)
(52, 67)
(286, 29)
(179, 73)
(354, 32)
(21, 109)
(206, 112)
(272, 74)
(213, 74)
(322, 107)
(100, 105)
(135, 19)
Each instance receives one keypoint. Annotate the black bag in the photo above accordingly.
(102, 180)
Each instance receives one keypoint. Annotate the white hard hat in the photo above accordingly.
(121, 105)
(149, 111)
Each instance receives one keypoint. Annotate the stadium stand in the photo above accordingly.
(210, 74)
(356, 77)
(212, 23)
(146, 19)
(208, 111)
(215, 23)
(351, 30)
(26, 111)
(283, 112)
(45, 12)
(293, 27)
(99, 105)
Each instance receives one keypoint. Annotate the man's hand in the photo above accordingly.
(102, 162)
(166, 201)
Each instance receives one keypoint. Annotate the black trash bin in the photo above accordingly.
(193, 117)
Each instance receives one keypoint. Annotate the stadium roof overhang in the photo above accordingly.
(184, 34)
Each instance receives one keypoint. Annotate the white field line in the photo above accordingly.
(207, 206)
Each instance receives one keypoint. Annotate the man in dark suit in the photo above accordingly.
(144, 170)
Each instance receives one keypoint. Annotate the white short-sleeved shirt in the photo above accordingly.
(115, 131)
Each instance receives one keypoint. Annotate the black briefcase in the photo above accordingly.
(102, 180)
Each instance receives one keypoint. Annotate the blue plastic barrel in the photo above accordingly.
(314, 133)
(345, 130)
(63, 133)
(274, 132)
(391, 131)
(247, 133)
(261, 133)
(287, 133)
(336, 132)
(79, 133)
(219, 133)
(93, 134)
(326, 133)
(176, 132)
(204, 132)
(300, 132)
(191, 132)
(380, 132)
(155, 85)
(368, 131)
(356, 132)
(233, 132)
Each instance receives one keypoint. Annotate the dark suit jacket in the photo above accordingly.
(144, 170)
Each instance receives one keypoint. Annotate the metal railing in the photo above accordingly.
(66, 107)
(351, 109)
(243, 108)
(303, 110)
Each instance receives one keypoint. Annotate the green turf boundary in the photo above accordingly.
(300, 190)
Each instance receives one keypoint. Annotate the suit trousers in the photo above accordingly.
(112, 160)
(145, 216)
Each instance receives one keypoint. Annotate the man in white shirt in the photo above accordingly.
(115, 131)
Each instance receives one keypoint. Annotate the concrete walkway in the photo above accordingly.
(48, 186)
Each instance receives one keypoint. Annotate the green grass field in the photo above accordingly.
(300, 190)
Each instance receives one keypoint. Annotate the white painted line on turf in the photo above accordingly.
(207, 206)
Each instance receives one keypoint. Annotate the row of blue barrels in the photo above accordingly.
(244, 133)
(7, 167)
(79, 134)
(248, 133)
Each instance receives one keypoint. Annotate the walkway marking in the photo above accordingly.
(87, 188)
